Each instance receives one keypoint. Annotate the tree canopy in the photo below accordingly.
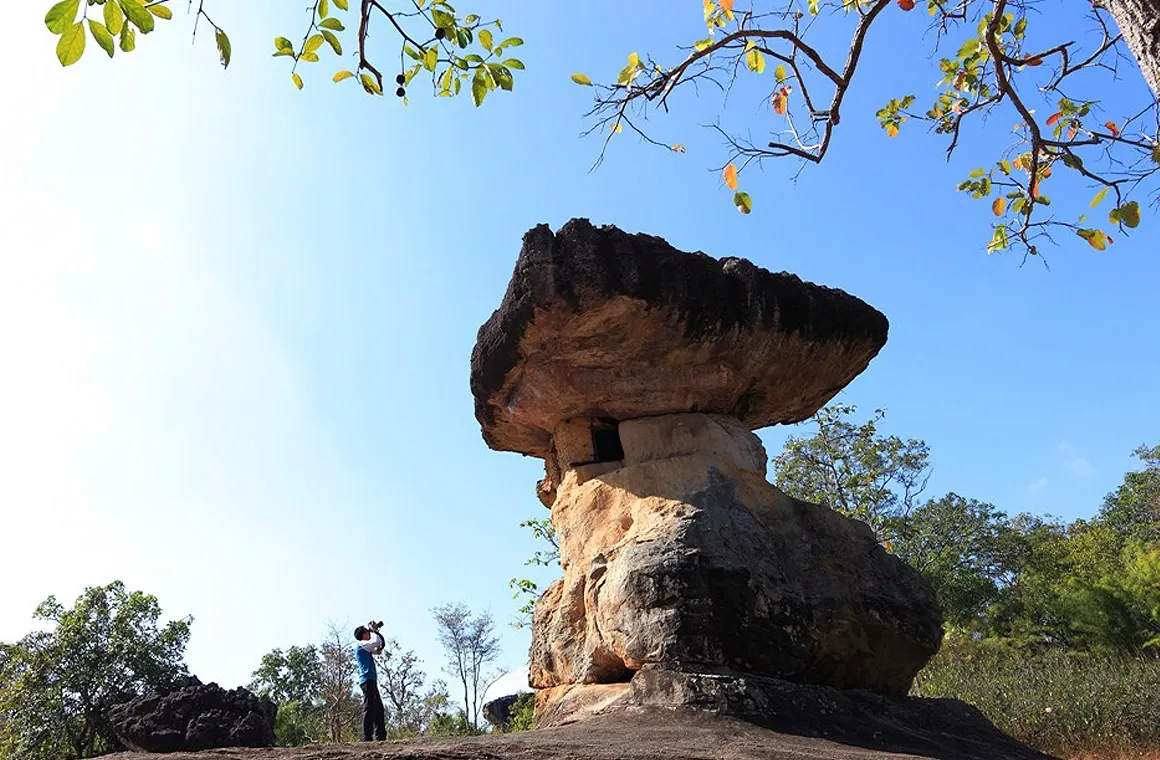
(1046, 68)
(57, 686)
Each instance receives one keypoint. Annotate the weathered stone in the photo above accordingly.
(194, 717)
(598, 323)
(944, 728)
(683, 555)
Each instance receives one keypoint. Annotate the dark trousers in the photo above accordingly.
(374, 718)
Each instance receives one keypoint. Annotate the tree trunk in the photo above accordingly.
(1139, 22)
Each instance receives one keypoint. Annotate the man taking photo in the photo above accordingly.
(370, 643)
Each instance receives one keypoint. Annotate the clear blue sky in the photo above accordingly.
(236, 319)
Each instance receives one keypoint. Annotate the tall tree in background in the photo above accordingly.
(999, 62)
(854, 470)
(411, 705)
(471, 647)
(957, 543)
(340, 707)
(57, 687)
(1133, 509)
(293, 679)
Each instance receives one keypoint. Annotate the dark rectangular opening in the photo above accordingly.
(606, 446)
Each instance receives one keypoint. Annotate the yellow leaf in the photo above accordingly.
(999, 206)
(344, 74)
(297, 80)
(581, 79)
(892, 130)
(730, 176)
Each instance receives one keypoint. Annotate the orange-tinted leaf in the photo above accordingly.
(906, 5)
(780, 103)
(1054, 118)
(1036, 61)
(730, 175)
(892, 130)
(727, 6)
(999, 206)
(1035, 189)
(1111, 125)
(1071, 133)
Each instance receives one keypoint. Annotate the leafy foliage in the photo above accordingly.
(525, 588)
(851, 468)
(57, 687)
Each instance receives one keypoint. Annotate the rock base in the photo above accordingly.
(817, 725)
(942, 728)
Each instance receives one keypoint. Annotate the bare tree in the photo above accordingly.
(471, 647)
(339, 704)
(411, 705)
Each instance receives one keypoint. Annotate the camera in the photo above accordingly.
(375, 626)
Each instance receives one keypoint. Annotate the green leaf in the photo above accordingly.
(114, 17)
(160, 11)
(137, 15)
(512, 42)
(370, 85)
(128, 39)
(514, 63)
(502, 77)
(344, 74)
(332, 40)
(342, 5)
(309, 57)
(61, 16)
(101, 34)
(755, 61)
(976, 173)
(780, 74)
(297, 80)
(332, 23)
(71, 45)
(323, 8)
(704, 44)
(223, 47)
(313, 43)
(582, 79)
(281, 43)
(412, 52)
(1099, 197)
(1128, 215)
(479, 87)
(285, 51)
(431, 58)
(743, 202)
(485, 39)
(1005, 166)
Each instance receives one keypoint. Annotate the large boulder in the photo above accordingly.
(682, 555)
(195, 716)
(600, 323)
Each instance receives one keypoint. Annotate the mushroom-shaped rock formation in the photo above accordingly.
(637, 372)
(600, 323)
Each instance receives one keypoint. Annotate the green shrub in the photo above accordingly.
(1061, 702)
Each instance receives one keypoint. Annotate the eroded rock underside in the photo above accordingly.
(597, 322)
(683, 556)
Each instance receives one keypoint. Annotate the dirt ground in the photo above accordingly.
(660, 735)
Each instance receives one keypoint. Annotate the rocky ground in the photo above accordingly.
(645, 735)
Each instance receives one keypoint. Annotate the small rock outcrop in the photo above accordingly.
(193, 717)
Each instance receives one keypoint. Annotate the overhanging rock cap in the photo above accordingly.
(597, 322)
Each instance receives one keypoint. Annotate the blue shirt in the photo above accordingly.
(366, 663)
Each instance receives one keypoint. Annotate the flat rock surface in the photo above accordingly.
(597, 322)
(647, 735)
